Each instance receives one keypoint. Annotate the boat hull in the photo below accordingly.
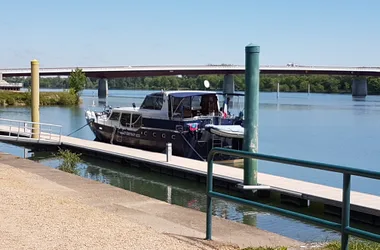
(189, 144)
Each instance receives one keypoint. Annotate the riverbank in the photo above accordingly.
(46, 208)
(64, 98)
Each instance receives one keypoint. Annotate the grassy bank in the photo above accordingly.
(8, 98)
(355, 244)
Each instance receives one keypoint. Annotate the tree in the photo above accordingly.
(299, 83)
(77, 81)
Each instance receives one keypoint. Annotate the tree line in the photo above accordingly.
(288, 83)
(71, 96)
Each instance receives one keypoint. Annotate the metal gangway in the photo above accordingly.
(30, 132)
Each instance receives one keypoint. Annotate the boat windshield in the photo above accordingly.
(153, 101)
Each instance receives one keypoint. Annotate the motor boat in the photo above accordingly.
(192, 121)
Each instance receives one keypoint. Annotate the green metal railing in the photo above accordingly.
(343, 227)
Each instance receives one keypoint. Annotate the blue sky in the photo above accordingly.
(153, 32)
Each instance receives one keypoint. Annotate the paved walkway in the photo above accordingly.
(44, 208)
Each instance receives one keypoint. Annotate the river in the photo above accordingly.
(320, 127)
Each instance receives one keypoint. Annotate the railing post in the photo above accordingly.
(209, 199)
(251, 104)
(345, 210)
(18, 132)
(168, 151)
(39, 131)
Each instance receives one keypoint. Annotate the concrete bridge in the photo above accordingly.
(359, 84)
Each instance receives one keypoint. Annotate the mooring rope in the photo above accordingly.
(191, 147)
(78, 129)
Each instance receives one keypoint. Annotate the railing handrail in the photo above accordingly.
(44, 131)
(29, 122)
(343, 227)
(296, 162)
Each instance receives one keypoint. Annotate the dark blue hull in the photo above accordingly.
(187, 141)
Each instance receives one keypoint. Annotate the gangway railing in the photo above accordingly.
(343, 227)
(18, 129)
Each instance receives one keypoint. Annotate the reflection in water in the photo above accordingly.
(191, 195)
(155, 188)
(358, 99)
(102, 102)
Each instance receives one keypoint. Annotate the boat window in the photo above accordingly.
(136, 121)
(196, 103)
(153, 101)
(114, 116)
(179, 103)
(176, 102)
(182, 106)
(187, 107)
(209, 104)
(125, 119)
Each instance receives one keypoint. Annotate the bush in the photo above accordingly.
(70, 161)
(12, 98)
(66, 98)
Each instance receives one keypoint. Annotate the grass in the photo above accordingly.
(265, 248)
(10, 98)
(355, 244)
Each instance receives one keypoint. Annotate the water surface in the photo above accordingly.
(328, 128)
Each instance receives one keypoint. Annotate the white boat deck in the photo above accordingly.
(361, 202)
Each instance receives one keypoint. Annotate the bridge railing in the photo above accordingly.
(343, 227)
(25, 129)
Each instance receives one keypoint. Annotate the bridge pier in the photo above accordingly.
(102, 88)
(228, 84)
(359, 87)
(229, 88)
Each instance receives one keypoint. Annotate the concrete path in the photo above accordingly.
(44, 208)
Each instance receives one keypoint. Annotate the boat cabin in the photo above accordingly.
(181, 104)
(173, 105)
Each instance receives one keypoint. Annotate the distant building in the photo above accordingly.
(4, 85)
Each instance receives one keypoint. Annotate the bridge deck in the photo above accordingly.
(136, 71)
(361, 202)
